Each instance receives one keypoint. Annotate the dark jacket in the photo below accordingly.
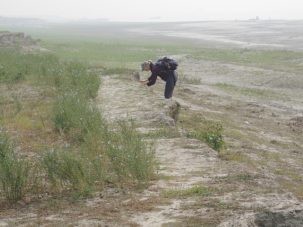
(156, 71)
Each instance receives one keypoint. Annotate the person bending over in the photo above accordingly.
(165, 68)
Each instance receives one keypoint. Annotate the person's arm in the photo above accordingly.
(152, 79)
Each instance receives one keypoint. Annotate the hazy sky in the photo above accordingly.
(165, 10)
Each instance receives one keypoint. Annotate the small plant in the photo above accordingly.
(214, 139)
(14, 172)
(208, 131)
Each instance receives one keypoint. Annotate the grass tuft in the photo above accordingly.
(14, 172)
(66, 169)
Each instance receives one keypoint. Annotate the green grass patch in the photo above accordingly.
(16, 67)
(208, 131)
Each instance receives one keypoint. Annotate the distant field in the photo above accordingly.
(269, 44)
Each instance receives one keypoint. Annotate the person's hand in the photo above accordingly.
(143, 82)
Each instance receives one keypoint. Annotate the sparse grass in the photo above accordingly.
(288, 172)
(194, 222)
(112, 71)
(208, 131)
(241, 177)
(186, 79)
(292, 186)
(213, 136)
(66, 169)
(119, 156)
(74, 115)
(188, 192)
(131, 157)
(282, 60)
(251, 92)
(46, 69)
(14, 171)
(16, 67)
(75, 77)
(236, 157)
(165, 132)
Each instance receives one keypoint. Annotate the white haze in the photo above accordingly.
(154, 10)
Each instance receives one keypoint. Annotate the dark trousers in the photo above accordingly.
(171, 80)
